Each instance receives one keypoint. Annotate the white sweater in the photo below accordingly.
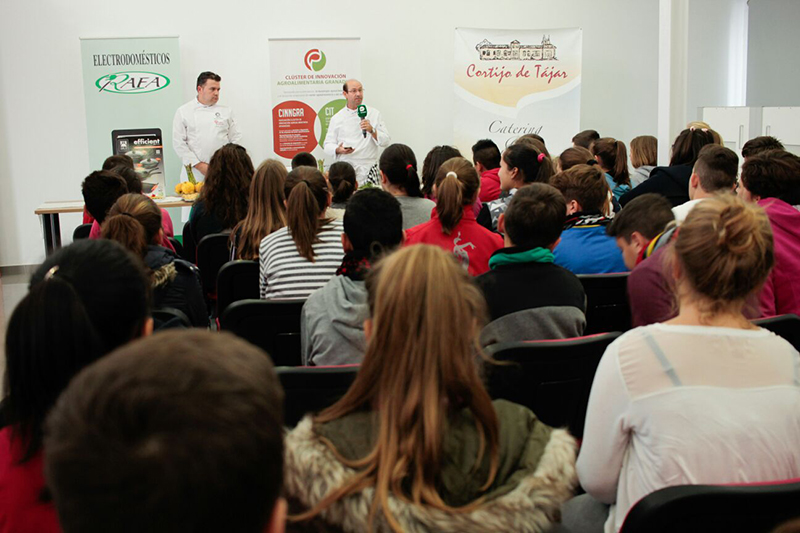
(674, 405)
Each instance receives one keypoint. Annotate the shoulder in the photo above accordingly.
(275, 237)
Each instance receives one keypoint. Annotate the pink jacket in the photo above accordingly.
(490, 185)
(781, 292)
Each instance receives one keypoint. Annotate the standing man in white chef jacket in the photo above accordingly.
(201, 126)
(346, 139)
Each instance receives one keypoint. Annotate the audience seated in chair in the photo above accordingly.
(585, 248)
(705, 398)
(100, 190)
(179, 432)
(714, 172)
(398, 168)
(135, 222)
(772, 179)
(298, 259)
(84, 301)
(486, 157)
(612, 157)
(529, 297)
(332, 321)
(266, 211)
(416, 444)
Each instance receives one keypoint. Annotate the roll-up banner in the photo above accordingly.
(512, 82)
(307, 76)
(132, 87)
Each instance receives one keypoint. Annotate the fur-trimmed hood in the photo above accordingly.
(312, 470)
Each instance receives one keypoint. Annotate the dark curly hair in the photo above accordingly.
(226, 188)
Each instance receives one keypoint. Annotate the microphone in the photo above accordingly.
(362, 114)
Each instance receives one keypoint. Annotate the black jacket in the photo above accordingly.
(176, 284)
(670, 182)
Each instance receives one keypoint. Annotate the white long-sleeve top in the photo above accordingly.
(675, 405)
(345, 128)
(200, 130)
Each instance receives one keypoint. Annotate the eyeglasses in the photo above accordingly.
(354, 91)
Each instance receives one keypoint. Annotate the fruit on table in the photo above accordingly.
(187, 188)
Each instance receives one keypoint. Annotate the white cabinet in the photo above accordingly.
(735, 124)
(784, 124)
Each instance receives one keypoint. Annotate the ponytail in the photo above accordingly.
(50, 338)
(307, 199)
(133, 221)
(127, 231)
(613, 158)
(534, 165)
(399, 165)
(342, 177)
(457, 184)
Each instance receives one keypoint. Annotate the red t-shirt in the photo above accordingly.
(490, 185)
(470, 242)
(21, 510)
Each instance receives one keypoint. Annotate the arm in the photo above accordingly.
(305, 341)
(606, 435)
(381, 134)
(234, 133)
(180, 141)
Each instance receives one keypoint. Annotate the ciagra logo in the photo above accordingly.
(132, 82)
(315, 59)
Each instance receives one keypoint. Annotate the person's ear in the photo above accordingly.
(277, 520)
(367, 329)
(403, 240)
(639, 241)
(694, 181)
(553, 246)
(384, 179)
(147, 329)
(501, 223)
(347, 244)
(573, 207)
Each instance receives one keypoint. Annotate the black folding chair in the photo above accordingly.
(273, 325)
(310, 389)
(212, 253)
(552, 378)
(787, 326)
(756, 508)
(170, 318)
(607, 305)
(237, 280)
(82, 232)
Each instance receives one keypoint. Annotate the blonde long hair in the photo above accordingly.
(419, 367)
(266, 211)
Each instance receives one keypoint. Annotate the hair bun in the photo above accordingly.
(736, 229)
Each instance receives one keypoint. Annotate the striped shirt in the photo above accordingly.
(285, 274)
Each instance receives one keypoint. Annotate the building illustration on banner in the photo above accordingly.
(514, 51)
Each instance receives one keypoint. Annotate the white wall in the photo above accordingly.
(773, 68)
(407, 51)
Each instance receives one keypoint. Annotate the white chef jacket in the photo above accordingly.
(200, 130)
(345, 128)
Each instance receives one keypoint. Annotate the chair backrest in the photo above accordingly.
(311, 389)
(81, 232)
(787, 326)
(189, 247)
(272, 325)
(169, 318)
(757, 508)
(176, 244)
(237, 280)
(212, 253)
(552, 378)
(607, 305)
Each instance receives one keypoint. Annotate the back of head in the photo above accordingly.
(178, 432)
(84, 301)
(725, 252)
(757, 145)
(700, 125)
(585, 138)
(535, 216)
(644, 151)
(342, 177)
(419, 367)
(534, 140)
(399, 165)
(688, 144)
(773, 174)
(304, 159)
(647, 214)
(100, 190)
(577, 155)
(266, 210)
(119, 160)
(134, 221)
(586, 184)
(132, 180)
(373, 222)
(533, 164)
(717, 168)
(486, 153)
(430, 167)
(613, 158)
(457, 185)
(306, 199)
(227, 184)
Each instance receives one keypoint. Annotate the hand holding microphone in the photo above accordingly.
(365, 125)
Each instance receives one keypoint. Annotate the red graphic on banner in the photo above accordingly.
(293, 128)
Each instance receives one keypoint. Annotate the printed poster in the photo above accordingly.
(307, 76)
(511, 82)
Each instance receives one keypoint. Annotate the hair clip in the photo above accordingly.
(51, 273)
(408, 166)
(541, 157)
(451, 173)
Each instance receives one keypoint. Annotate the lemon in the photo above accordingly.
(187, 188)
